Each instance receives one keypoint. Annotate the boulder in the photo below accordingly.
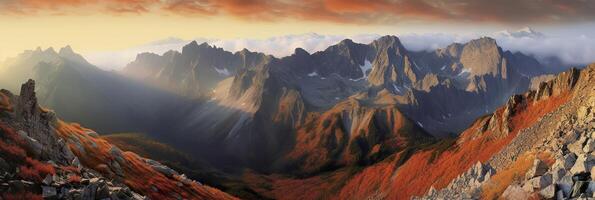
(560, 195)
(88, 192)
(548, 192)
(48, 180)
(165, 170)
(558, 173)
(48, 192)
(514, 192)
(589, 146)
(577, 146)
(539, 168)
(541, 182)
(590, 188)
(579, 188)
(565, 162)
(565, 184)
(102, 191)
(583, 164)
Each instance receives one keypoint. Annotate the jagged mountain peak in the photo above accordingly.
(50, 50)
(388, 41)
(300, 52)
(68, 53)
(66, 50)
(487, 42)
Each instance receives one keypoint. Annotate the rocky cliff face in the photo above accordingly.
(195, 71)
(43, 157)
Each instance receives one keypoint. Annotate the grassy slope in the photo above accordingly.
(180, 161)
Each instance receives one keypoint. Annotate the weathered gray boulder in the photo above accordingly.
(558, 173)
(565, 184)
(88, 192)
(565, 162)
(165, 170)
(48, 192)
(577, 146)
(48, 180)
(548, 192)
(102, 191)
(583, 164)
(541, 182)
(578, 188)
(539, 168)
(590, 188)
(589, 146)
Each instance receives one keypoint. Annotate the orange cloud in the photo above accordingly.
(341, 11)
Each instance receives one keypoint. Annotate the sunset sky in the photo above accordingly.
(106, 25)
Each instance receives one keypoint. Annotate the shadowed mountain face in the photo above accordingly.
(81, 92)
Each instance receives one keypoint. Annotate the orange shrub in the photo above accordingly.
(11, 135)
(29, 174)
(501, 180)
(73, 178)
(43, 168)
(12, 151)
(71, 169)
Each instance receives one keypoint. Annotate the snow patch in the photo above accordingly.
(313, 74)
(365, 67)
(464, 72)
(223, 72)
(419, 123)
(417, 67)
(396, 88)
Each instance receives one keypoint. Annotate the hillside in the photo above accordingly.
(491, 156)
(44, 157)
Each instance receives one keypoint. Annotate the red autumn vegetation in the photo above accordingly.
(12, 151)
(21, 196)
(96, 153)
(287, 188)
(515, 172)
(73, 178)
(419, 175)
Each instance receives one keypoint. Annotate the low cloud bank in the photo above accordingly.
(570, 50)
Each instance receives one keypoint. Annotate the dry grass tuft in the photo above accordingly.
(501, 180)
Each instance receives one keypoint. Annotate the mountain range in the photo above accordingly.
(354, 121)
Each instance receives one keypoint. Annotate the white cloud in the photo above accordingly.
(569, 49)
(276, 46)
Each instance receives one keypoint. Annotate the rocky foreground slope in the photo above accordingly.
(44, 157)
(551, 158)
